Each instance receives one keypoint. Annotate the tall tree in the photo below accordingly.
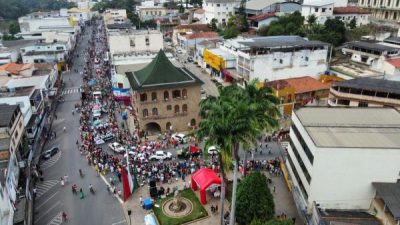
(255, 200)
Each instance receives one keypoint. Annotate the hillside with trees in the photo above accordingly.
(12, 9)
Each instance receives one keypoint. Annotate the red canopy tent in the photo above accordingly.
(202, 179)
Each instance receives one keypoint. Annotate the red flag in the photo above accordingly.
(125, 184)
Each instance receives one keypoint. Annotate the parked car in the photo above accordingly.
(190, 59)
(188, 151)
(117, 147)
(49, 153)
(213, 150)
(99, 141)
(179, 51)
(161, 155)
(180, 138)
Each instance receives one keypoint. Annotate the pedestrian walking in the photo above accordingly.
(274, 189)
(81, 194)
(55, 116)
(62, 181)
(34, 192)
(141, 200)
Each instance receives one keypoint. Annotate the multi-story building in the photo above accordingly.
(188, 42)
(365, 92)
(298, 92)
(165, 97)
(257, 7)
(280, 57)
(151, 12)
(11, 132)
(386, 201)
(220, 10)
(330, 155)
(372, 54)
(52, 53)
(135, 41)
(188, 29)
(382, 9)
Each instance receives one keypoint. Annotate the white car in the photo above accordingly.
(161, 155)
(99, 141)
(181, 138)
(213, 150)
(116, 147)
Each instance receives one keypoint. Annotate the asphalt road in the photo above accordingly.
(52, 198)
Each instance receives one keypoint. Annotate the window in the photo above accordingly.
(296, 174)
(281, 61)
(20, 124)
(154, 112)
(168, 126)
(395, 15)
(368, 93)
(176, 109)
(323, 10)
(218, 5)
(397, 3)
(154, 96)
(343, 102)
(388, 3)
(120, 85)
(166, 95)
(169, 107)
(381, 94)
(60, 48)
(300, 161)
(184, 108)
(176, 94)
(143, 97)
(386, 15)
(315, 9)
(184, 93)
(363, 104)
(355, 91)
(303, 144)
(145, 113)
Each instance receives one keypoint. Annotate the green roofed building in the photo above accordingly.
(165, 97)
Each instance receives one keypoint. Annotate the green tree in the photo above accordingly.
(181, 8)
(353, 23)
(213, 25)
(263, 31)
(13, 28)
(254, 199)
(311, 20)
(272, 222)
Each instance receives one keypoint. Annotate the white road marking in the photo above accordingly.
(119, 222)
(50, 162)
(43, 203)
(105, 181)
(57, 220)
(43, 187)
(51, 208)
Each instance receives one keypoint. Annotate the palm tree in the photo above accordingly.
(235, 118)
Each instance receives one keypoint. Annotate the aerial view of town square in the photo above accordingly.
(199, 112)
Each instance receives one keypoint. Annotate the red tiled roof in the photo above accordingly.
(209, 34)
(262, 16)
(350, 10)
(395, 62)
(15, 68)
(194, 27)
(306, 84)
(199, 11)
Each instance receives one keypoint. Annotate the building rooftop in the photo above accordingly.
(6, 113)
(15, 68)
(260, 4)
(350, 10)
(161, 73)
(371, 84)
(31, 53)
(194, 27)
(262, 16)
(394, 61)
(220, 1)
(319, 3)
(392, 40)
(205, 35)
(18, 92)
(351, 127)
(373, 46)
(280, 41)
(390, 194)
(224, 54)
(199, 11)
(300, 84)
(119, 25)
(132, 32)
(342, 217)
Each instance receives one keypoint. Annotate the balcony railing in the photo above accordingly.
(375, 99)
(158, 117)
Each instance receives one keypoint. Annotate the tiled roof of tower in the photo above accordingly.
(161, 73)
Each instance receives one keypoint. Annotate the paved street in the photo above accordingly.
(52, 198)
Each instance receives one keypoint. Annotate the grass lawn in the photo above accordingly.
(197, 212)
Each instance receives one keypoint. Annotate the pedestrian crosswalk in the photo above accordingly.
(43, 187)
(50, 162)
(70, 91)
(57, 220)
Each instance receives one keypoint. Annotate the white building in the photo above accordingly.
(52, 53)
(34, 24)
(346, 14)
(322, 9)
(257, 7)
(78, 15)
(279, 57)
(372, 54)
(134, 41)
(8, 55)
(335, 154)
(220, 10)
